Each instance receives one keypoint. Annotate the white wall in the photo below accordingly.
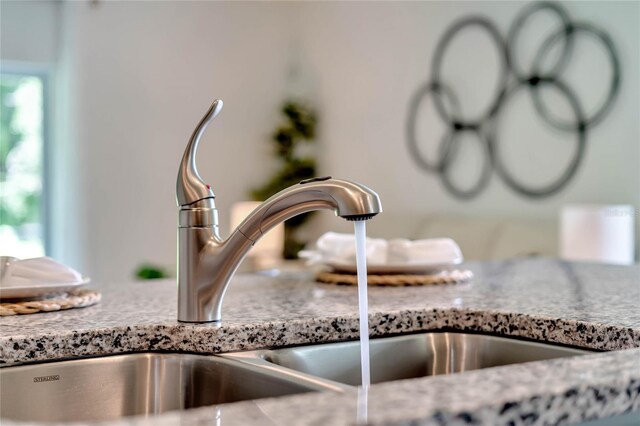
(29, 31)
(144, 75)
(135, 77)
(369, 58)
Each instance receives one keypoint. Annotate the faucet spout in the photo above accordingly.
(207, 263)
(349, 200)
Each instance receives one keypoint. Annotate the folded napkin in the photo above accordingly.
(37, 271)
(432, 250)
(335, 247)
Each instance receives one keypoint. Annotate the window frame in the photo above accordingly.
(45, 74)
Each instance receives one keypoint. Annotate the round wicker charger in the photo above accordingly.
(456, 276)
(52, 303)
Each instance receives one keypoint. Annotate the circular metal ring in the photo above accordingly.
(566, 176)
(485, 125)
(614, 85)
(423, 92)
(452, 139)
(493, 32)
(516, 28)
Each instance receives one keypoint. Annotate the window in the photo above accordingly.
(22, 219)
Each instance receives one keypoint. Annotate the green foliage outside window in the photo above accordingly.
(21, 159)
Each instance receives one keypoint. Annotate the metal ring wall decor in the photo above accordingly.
(513, 78)
(431, 89)
(514, 34)
(574, 163)
(436, 63)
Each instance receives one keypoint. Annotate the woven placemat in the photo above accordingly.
(456, 276)
(52, 303)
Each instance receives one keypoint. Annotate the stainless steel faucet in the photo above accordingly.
(206, 262)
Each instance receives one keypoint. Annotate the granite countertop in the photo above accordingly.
(586, 305)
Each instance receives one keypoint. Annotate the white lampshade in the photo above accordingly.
(267, 252)
(598, 233)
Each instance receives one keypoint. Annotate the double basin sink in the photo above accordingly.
(111, 387)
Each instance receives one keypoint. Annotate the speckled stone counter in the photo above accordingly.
(586, 305)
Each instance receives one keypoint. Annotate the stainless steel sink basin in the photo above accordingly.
(137, 384)
(409, 356)
(106, 388)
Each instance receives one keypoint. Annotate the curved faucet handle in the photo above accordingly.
(190, 188)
